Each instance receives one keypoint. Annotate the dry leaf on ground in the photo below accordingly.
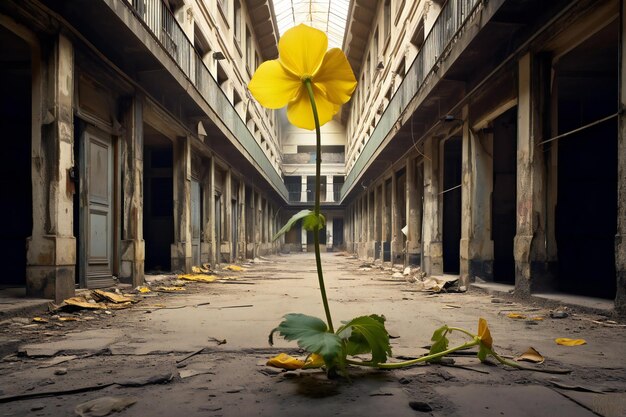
(531, 355)
(516, 316)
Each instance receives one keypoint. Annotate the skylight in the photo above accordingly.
(326, 15)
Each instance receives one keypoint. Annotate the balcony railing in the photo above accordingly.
(160, 20)
(445, 31)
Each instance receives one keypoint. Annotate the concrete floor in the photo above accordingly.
(111, 354)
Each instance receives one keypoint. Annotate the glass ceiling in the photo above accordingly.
(326, 15)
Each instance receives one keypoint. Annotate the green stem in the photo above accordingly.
(316, 237)
(404, 364)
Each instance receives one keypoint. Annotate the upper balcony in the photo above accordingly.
(144, 40)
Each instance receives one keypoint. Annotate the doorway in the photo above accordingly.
(96, 237)
(452, 170)
(158, 200)
(16, 204)
(196, 221)
(504, 197)
(586, 209)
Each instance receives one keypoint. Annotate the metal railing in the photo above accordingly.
(445, 31)
(160, 20)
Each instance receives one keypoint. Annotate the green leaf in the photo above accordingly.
(312, 335)
(367, 334)
(299, 215)
(483, 352)
(440, 342)
(313, 223)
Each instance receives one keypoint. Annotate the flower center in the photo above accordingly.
(306, 77)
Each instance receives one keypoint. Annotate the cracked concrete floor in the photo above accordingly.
(230, 379)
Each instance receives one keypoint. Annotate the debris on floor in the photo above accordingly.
(198, 277)
(104, 406)
(95, 300)
(233, 268)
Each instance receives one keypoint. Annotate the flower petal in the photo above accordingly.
(335, 76)
(285, 361)
(301, 49)
(272, 86)
(484, 334)
(300, 114)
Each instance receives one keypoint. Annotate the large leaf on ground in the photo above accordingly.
(440, 342)
(367, 334)
(312, 334)
(299, 215)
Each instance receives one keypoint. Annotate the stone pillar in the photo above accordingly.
(329, 232)
(383, 216)
(51, 250)
(529, 249)
(433, 245)
(241, 233)
(377, 220)
(620, 237)
(258, 235)
(477, 185)
(396, 246)
(303, 190)
(413, 191)
(212, 221)
(133, 244)
(181, 247)
(227, 234)
(330, 195)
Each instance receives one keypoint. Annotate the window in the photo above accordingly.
(223, 4)
(249, 50)
(237, 22)
(375, 47)
(387, 20)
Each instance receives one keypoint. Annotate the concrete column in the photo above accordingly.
(477, 185)
(620, 237)
(529, 249)
(227, 233)
(383, 217)
(51, 252)
(181, 248)
(241, 233)
(377, 210)
(433, 245)
(329, 232)
(133, 244)
(413, 191)
(396, 239)
(303, 190)
(330, 195)
(258, 229)
(212, 221)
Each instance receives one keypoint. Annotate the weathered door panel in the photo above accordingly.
(196, 227)
(97, 215)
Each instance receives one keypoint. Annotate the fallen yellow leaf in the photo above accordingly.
(69, 319)
(144, 290)
(314, 361)
(39, 320)
(537, 318)
(284, 361)
(198, 277)
(564, 341)
(531, 355)
(234, 268)
(516, 316)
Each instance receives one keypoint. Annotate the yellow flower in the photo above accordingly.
(484, 334)
(303, 56)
